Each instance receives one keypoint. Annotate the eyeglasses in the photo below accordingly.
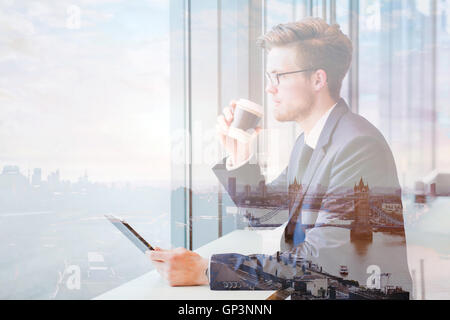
(274, 77)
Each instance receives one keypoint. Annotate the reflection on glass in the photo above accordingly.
(85, 101)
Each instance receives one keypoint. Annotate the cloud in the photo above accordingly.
(279, 12)
(83, 99)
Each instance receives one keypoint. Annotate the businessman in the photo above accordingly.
(340, 178)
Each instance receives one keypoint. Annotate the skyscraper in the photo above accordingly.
(262, 188)
(36, 179)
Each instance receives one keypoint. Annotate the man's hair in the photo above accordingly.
(318, 45)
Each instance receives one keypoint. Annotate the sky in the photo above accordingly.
(84, 86)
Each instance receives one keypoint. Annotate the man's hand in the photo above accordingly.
(238, 151)
(180, 267)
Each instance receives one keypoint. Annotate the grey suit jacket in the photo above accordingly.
(336, 211)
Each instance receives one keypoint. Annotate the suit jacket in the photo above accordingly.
(339, 205)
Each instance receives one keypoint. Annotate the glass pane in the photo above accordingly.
(402, 73)
(204, 64)
(343, 19)
(276, 155)
(443, 94)
(85, 104)
(234, 48)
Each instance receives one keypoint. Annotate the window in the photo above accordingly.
(398, 81)
(397, 38)
(84, 90)
(111, 107)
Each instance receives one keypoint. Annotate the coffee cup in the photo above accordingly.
(247, 115)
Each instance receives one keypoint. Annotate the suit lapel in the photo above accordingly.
(324, 139)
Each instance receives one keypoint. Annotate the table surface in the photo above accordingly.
(151, 286)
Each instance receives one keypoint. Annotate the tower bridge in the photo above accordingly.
(368, 217)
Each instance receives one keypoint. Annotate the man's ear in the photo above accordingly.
(320, 79)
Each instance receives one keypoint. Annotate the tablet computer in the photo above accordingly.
(130, 233)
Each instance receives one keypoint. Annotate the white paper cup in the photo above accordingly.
(247, 115)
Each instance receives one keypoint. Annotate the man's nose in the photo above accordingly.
(270, 88)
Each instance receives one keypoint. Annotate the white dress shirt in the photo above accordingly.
(312, 138)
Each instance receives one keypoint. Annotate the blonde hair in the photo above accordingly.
(318, 44)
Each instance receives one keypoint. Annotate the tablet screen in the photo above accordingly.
(130, 233)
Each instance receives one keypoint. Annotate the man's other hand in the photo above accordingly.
(180, 267)
(238, 151)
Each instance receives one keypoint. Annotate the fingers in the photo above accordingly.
(228, 112)
(160, 256)
(229, 115)
(155, 249)
(226, 118)
(161, 267)
(164, 255)
(233, 105)
(222, 126)
(180, 267)
(255, 133)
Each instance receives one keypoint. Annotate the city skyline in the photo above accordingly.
(28, 174)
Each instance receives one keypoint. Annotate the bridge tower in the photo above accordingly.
(294, 191)
(361, 228)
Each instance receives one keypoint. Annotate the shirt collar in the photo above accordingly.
(313, 137)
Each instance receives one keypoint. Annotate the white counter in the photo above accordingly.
(151, 286)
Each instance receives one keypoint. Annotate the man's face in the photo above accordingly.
(293, 98)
